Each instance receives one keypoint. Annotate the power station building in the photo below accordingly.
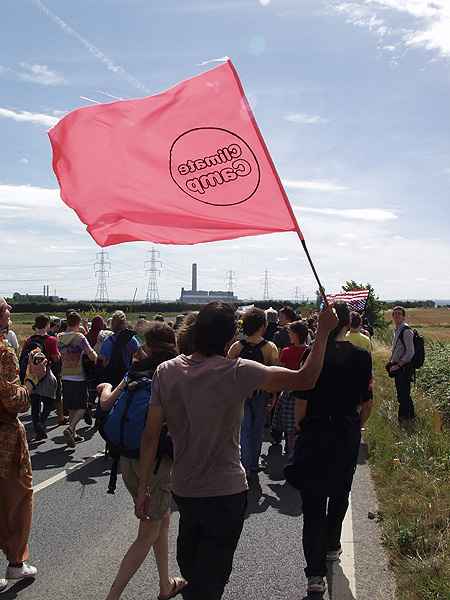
(196, 296)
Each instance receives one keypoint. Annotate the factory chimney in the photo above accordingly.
(194, 277)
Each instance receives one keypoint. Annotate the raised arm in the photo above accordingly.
(279, 379)
(108, 396)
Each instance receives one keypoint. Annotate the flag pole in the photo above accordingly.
(277, 177)
(308, 256)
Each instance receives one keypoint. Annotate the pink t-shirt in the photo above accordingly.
(202, 402)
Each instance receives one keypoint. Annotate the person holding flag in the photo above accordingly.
(187, 166)
(329, 418)
(201, 398)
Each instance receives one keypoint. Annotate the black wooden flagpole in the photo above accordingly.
(308, 256)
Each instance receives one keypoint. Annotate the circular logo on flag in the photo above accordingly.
(214, 166)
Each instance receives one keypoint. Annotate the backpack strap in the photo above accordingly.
(113, 476)
(261, 344)
(247, 344)
(402, 334)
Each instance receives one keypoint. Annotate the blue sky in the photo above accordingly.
(352, 98)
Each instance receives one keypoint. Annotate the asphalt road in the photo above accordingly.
(80, 534)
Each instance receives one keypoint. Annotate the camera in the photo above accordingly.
(38, 358)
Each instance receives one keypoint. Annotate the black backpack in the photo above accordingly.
(35, 342)
(419, 348)
(116, 369)
(253, 351)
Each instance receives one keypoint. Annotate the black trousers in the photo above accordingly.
(322, 526)
(208, 535)
(403, 386)
(41, 407)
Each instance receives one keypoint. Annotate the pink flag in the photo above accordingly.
(185, 166)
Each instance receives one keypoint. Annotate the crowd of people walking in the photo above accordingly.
(183, 406)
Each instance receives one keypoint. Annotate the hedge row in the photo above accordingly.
(159, 307)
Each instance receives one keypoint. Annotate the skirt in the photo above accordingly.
(284, 417)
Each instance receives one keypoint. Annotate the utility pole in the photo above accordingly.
(153, 267)
(101, 268)
(297, 295)
(266, 295)
(231, 278)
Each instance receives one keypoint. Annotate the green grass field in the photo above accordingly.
(411, 469)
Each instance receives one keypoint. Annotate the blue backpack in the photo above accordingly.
(123, 426)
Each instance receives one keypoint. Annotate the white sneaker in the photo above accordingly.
(3, 585)
(21, 572)
(316, 585)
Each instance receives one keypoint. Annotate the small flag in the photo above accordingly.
(356, 299)
(185, 166)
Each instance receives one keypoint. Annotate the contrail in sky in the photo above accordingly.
(101, 56)
(213, 60)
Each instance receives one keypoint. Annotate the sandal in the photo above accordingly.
(177, 585)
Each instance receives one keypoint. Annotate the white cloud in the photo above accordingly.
(40, 74)
(25, 116)
(304, 119)
(317, 185)
(428, 24)
(93, 50)
(18, 197)
(264, 2)
(24, 161)
(345, 244)
(358, 214)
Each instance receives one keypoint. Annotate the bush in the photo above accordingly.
(434, 377)
(411, 470)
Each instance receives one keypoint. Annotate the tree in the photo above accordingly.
(374, 306)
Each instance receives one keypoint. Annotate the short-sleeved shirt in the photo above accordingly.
(202, 402)
(129, 350)
(344, 383)
(11, 338)
(71, 345)
(291, 356)
(359, 339)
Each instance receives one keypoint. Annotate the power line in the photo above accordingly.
(153, 268)
(266, 295)
(231, 278)
(102, 267)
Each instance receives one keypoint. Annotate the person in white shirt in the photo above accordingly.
(399, 365)
(11, 338)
